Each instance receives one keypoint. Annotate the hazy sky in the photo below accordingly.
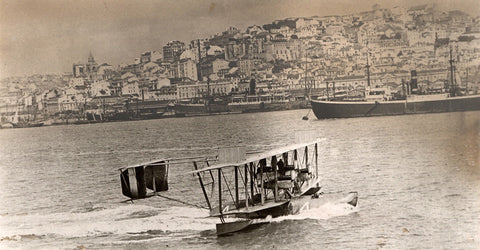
(48, 36)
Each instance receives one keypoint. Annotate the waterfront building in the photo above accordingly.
(131, 89)
(50, 106)
(203, 89)
(71, 100)
(164, 93)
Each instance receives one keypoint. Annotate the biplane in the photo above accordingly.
(252, 189)
(242, 189)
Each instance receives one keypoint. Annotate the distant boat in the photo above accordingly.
(7, 125)
(28, 124)
(16, 122)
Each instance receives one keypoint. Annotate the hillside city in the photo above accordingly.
(293, 58)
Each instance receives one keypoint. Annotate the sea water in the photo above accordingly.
(417, 176)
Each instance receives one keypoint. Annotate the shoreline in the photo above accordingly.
(82, 122)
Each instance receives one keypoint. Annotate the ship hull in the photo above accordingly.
(265, 106)
(201, 109)
(328, 109)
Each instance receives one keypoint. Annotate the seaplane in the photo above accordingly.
(252, 189)
(245, 190)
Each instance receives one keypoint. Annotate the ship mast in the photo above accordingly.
(466, 77)
(452, 91)
(207, 101)
(311, 84)
(306, 68)
(368, 68)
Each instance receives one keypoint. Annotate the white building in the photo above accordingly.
(71, 99)
(215, 51)
(76, 82)
(306, 22)
(218, 65)
(131, 89)
(201, 90)
(186, 68)
(190, 54)
(100, 88)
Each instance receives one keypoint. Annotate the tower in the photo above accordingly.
(91, 67)
(91, 60)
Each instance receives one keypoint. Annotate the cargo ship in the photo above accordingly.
(240, 104)
(377, 102)
(432, 104)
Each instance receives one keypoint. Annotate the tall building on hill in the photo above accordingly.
(88, 70)
(173, 50)
(185, 68)
(91, 64)
(78, 70)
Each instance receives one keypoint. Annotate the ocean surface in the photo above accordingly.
(417, 176)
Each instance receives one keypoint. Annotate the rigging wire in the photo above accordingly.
(180, 201)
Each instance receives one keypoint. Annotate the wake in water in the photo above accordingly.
(133, 223)
(123, 220)
(324, 212)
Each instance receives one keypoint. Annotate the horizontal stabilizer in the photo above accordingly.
(136, 179)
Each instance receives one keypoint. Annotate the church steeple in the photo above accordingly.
(90, 58)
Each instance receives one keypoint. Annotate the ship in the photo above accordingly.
(248, 102)
(244, 104)
(377, 102)
(433, 104)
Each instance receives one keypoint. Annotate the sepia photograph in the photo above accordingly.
(239, 124)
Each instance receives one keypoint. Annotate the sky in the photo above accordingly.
(48, 36)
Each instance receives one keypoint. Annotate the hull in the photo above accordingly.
(265, 106)
(200, 109)
(290, 207)
(225, 229)
(327, 109)
(251, 107)
(27, 125)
